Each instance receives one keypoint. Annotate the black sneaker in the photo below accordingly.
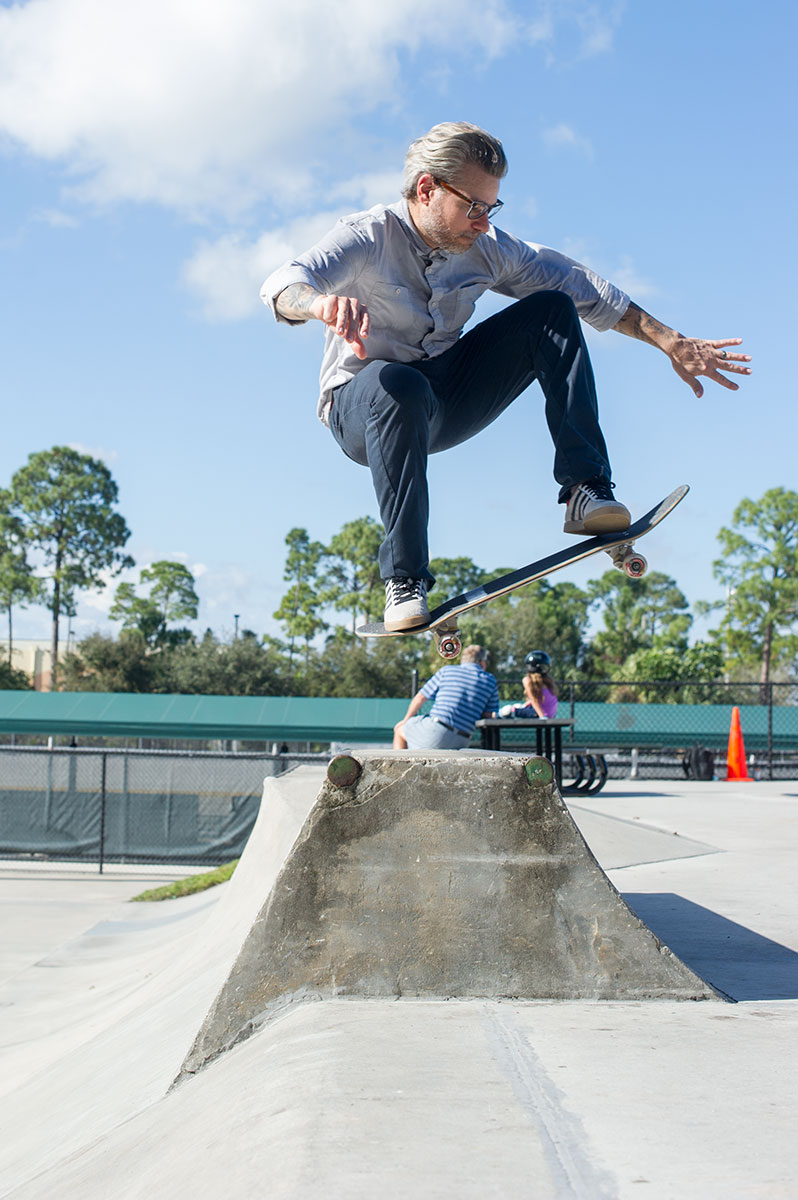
(592, 508)
(405, 603)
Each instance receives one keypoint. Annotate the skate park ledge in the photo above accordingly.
(431, 875)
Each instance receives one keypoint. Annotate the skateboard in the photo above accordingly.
(443, 620)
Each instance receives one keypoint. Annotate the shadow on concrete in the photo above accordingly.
(742, 963)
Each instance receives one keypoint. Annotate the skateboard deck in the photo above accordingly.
(443, 620)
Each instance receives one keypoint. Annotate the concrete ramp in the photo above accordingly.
(437, 875)
(97, 1031)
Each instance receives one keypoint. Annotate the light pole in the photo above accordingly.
(235, 618)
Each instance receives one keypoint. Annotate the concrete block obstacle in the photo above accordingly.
(436, 875)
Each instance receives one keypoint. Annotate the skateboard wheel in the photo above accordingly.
(449, 647)
(635, 566)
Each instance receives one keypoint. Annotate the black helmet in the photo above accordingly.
(538, 661)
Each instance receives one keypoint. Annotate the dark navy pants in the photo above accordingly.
(391, 416)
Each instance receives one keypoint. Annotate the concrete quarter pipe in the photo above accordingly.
(438, 875)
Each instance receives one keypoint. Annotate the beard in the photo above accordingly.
(435, 230)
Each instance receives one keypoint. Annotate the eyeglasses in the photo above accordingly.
(476, 208)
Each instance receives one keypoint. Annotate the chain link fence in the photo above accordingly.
(647, 729)
(131, 806)
(115, 805)
(663, 691)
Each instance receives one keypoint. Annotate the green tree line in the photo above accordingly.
(60, 533)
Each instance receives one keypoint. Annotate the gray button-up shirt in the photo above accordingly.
(419, 299)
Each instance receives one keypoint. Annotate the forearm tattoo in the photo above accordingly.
(637, 323)
(294, 301)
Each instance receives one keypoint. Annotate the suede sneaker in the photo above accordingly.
(592, 508)
(405, 603)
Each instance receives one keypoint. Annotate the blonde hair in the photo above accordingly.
(474, 653)
(534, 682)
(446, 149)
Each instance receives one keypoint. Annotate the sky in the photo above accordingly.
(159, 159)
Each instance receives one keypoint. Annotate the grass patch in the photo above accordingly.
(191, 884)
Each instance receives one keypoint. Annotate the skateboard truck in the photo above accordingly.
(447, 642)
(625, 559)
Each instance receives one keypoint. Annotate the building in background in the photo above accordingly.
(34, 658)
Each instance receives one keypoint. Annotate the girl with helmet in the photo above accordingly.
(540, 691)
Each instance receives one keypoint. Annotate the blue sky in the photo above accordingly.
(157, 160)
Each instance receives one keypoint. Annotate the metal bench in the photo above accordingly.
(591, 771)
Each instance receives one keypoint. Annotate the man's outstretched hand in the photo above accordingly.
(691, 357)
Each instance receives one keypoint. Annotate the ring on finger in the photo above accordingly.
(723, 354)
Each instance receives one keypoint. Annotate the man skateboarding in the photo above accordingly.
(396, 284)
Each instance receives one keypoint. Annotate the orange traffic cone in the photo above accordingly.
(737, 768)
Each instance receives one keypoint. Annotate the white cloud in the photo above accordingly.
(201, 105)
(100, 599)
(212, 107)
(565, 136)
(627, 276)
(363, 191)
(226, 589)
(99, 452)
(55, 218)
(226, 274)
(623, 271)
(597, 24)
(197, 569)
(579, 248)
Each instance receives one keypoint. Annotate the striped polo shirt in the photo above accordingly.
(462, 694)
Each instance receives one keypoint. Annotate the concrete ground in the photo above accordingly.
(352, 1098)
(43, 905)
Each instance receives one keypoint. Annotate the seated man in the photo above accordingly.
(462, 694)
(395, 286)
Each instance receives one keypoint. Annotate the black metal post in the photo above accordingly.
(770, 730)
(572, 698)
(413, 682)
(102, 811)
